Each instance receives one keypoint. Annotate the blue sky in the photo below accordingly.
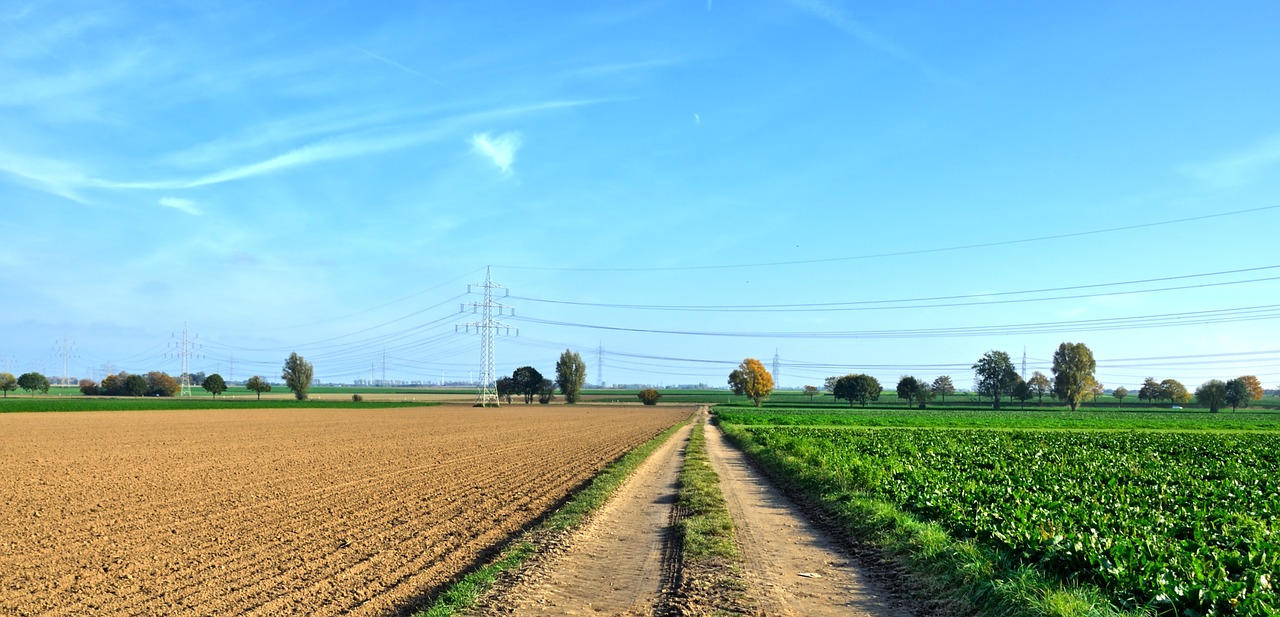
(328, 177)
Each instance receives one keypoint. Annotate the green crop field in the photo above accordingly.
(1007, 419)
(1181, 520)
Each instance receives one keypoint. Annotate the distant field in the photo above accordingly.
(84, 403)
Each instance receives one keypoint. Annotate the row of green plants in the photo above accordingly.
(1168, 523)
(1112, 419)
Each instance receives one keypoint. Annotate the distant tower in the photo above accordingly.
(487, 396)
(600, 364)
(777, 368)
(67, 351)
(1024, 363)
(184, 349)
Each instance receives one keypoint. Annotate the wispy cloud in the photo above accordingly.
(1239, 168)
(182, 205)
(62, 179)
(833, 14)
(395, 64)
(613, 68)
(500, 150)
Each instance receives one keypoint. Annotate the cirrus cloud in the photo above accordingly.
(184, 205)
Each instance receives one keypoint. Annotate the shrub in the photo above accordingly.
(649, 396)
(356, 398)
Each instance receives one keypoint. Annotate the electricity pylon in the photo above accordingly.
(488, 327)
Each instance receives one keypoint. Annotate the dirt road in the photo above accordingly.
(618, 563)
(792, 567)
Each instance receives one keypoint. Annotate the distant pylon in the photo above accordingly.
(184, 348)
(777, 368)
(1024, 363)
(487, 394)
(600, 364)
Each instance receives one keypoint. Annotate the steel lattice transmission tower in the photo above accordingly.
(777, 369)
(184, 349)
(488, 327)
(66, 349)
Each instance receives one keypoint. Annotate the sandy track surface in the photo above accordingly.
(280, 511)
(792, 567)
(620, 562)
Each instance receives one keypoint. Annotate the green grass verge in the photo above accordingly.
(463, 594)
(142, 403)
(707, 531)
(971, 578)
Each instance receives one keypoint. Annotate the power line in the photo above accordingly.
(962, 247)
(864, 304)
(1252, 313)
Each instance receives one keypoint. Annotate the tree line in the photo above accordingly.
(526, 381)
(1073, 381)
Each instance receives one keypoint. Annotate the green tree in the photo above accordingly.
(1212, 393)
(88, 387)
(995, 376)
(1040, 386)
(1022, 391)
(571, 374)
(1175, 391)
(297, 374)
(257, 384)
(135, 385)
(505, 387)
(923, 393)
(829, 384)
(1151, 391)
(907, 386)
(942, 387)
(547, 392)
(751, 379)
(1236, 393)
(34, 382)
(860, 388)
(649, 396)
(528, 382)
(1120, 393)
(214, 384)
(1073, 367)
(8, 383)
(811, 391)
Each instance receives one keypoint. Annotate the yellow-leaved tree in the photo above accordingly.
(752, 380)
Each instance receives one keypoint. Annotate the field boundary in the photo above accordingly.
(464, 593)
(972, 579)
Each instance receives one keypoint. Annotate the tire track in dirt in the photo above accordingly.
(621, 562)
(793, 568)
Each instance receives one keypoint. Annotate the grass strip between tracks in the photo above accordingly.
(974, 579)
(711, 573)
(463, 594)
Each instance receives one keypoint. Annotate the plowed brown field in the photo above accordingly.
(280, 511)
